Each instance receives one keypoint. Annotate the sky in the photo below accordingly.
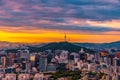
(95, 21)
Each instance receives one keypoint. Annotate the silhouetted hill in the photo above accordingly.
(62, 46)
(112, 44)
(102, 45)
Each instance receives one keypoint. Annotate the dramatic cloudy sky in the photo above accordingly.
(48, 20)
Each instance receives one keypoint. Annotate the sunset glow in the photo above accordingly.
(46, 21)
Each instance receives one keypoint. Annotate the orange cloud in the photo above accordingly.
(112, 23)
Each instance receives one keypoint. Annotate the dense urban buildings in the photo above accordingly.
(60, 64)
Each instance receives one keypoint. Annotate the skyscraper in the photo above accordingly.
(23, 54)
(3, 61)
(32, 60)
(43, 63)
(97, 56)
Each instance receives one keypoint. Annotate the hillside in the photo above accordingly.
(62, 46)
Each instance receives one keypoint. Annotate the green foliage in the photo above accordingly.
(96, 74)
(74, 74)
(92, 73)
(101, 74)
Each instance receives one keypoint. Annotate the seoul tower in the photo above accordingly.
(65, 38)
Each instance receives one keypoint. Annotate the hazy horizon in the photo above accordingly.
(54, 42)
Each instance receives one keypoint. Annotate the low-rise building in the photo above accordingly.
(24, 77)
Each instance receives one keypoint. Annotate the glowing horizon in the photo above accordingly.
(56, 37)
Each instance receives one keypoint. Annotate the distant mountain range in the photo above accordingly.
(9, 45)
(102, 45)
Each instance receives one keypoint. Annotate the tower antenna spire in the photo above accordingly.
(65, 37)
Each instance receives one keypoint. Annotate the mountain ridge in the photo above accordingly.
(115, 44)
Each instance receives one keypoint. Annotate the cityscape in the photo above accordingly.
(59, 39)
(59, 61)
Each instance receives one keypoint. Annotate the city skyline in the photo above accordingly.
(49, 20)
